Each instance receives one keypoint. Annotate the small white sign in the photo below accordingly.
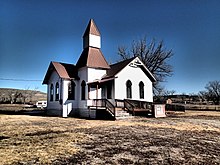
(159, 110)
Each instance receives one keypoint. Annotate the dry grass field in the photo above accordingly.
(181, 138)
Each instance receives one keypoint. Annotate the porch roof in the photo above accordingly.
(101, 81)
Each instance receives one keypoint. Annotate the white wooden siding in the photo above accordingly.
(53, 104)
(135, 75)
(92, 40)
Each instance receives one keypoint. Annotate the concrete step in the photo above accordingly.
(123, 117)
(94, 108)
(119, 109)
(122, 114)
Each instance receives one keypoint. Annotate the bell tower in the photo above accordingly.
(91, 37)
(92, 56)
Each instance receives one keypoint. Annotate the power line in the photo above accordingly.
(13, 79)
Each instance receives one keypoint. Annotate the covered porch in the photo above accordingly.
(101, 89)
(101, 97)
(122, 108)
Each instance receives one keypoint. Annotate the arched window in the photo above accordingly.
(83, 90)
(129, 89)
(71, 90)
(57, 92)
(51, 92)
(141, 90)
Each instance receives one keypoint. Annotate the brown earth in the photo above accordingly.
(181, 138)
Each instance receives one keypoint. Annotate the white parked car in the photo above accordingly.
(41, 104)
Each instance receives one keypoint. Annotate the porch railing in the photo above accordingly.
(129, 106)
(104, 103)
(136, 105)
(119, 103)
(132, 106)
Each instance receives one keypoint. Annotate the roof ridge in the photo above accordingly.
(129, 59)
(62, 63)
(64, 70)
(117, 67)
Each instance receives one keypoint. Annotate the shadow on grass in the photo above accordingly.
(24, 112)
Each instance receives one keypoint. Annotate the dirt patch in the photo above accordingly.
(146, 145)
(181, 138)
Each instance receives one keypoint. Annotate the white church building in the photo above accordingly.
(92, 88)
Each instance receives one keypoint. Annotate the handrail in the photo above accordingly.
(110, 106)
(134, 105)
(104, 103)
(140, 104)
(119, 103)
(129, 106)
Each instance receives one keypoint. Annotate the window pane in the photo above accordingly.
(71, 91)
(83, 90)
(129, 89)
(141, 90)
(57, 91)
(51, 92)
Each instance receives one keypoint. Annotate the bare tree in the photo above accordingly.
(13, 95)
(169, 93)
(154, 55)
(2, 97)
(32, 93)
(163, 95)
(17, 95)
(212, 92)
(25, 94)
(202, 96)
(10, 96)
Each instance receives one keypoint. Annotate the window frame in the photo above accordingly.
(129, 89)
(141, 90)
(71, 90)
(57, 92)
(83, 90)
(51, 92)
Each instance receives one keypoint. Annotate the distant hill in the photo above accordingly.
(9, 95)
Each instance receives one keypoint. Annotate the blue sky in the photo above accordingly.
(35, 32)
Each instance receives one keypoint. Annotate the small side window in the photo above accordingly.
(83, 90)
(51, 92)
(141, 90)
(71, 90)
(129, 89)
(57, 91)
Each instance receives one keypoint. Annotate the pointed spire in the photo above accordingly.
(92, 56)
(92, 37)
(92, 29)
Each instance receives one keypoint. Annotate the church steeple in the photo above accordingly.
(91, 37)
(92, 55)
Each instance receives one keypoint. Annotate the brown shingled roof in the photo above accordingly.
(91, 29)
(65, 71)
(92, 57)
(117, 67)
